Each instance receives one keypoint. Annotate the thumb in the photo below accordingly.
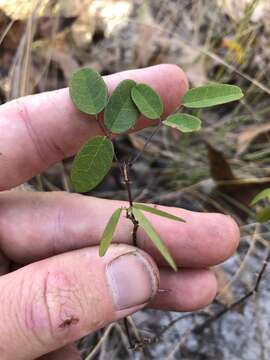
(53, 302)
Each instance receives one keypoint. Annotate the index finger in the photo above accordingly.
(36, 225)
(39, 130)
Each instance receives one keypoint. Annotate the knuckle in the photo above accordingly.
(45, 147)
(23, 114)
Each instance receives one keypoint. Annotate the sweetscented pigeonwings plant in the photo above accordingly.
(121, 111)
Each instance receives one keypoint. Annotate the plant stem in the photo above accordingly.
(126, 326)
(125, 172)
(102, 127)
(39, 182)
(125, 168)
(155, 131)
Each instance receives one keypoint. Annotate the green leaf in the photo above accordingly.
(147, 100)
(265, 194)
(263, 215)
(183, 122)
(150, 231)
(121, 113)
(92, 163)
(108, 232)
(211, 95)
(88, 91)
(157, 212)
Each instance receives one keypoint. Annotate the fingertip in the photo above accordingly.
(235, 233)
(201, 291)
(179, 77)
(210, 289)
(229, 236)
(174, 84)
(189, 290)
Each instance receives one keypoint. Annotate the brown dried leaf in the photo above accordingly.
(102, 15)
(22, 9)
(253, 135)
(219, 167)
(241, 191)
(11, 32)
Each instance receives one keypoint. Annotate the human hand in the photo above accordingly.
(62, 290)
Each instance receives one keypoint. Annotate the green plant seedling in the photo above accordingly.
(122, 110)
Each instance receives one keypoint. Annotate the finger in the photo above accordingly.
(187, 290)
(47, 127)
(54, 302)
(67, 353)
(38, 225)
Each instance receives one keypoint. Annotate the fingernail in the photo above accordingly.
(132, 279)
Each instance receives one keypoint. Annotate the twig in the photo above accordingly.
(199, 328)
(155, 131)
(104, 131)
(125, 172)
(126, 326)
(96, 349)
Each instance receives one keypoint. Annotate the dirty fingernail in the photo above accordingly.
(133, 280)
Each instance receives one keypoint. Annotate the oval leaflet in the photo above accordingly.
(121, 113)
(92, 163)
(183, 122)
(88, 91)
(147, 100)
(211, 95)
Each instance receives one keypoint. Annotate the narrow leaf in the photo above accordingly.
(183, 122)
(108, 232)
(263, 215)
(88, 91)
(150, 231)
(211, 95)
(147, 100)
(92, 163)
(265, 194)
(121, 112)
(157, 212)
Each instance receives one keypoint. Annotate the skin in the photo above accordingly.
(52, 238)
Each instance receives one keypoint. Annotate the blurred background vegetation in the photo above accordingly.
(219, 169)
